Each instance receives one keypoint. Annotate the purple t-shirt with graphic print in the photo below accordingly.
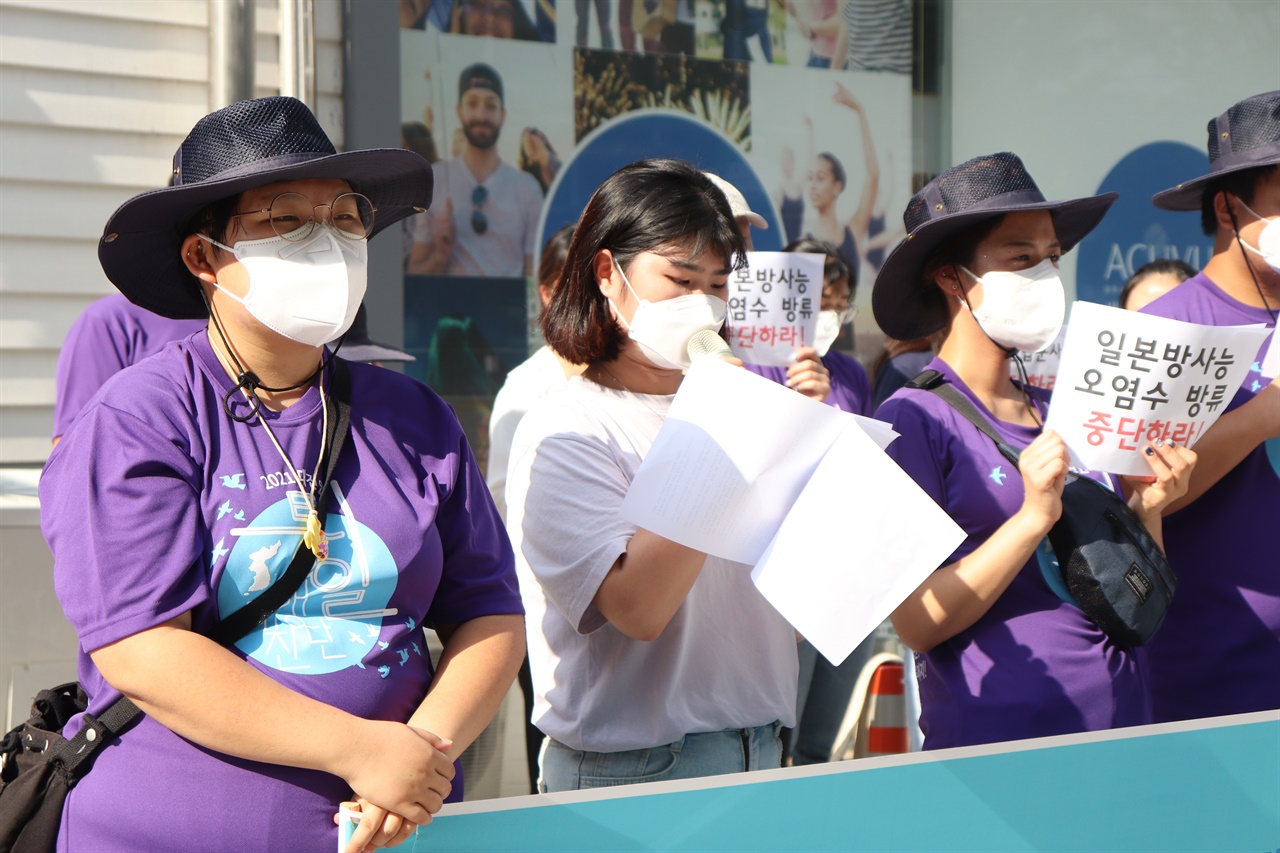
(850, 388)
(1033, 665)
(111, 334)
(157, 503)
(1218, 651)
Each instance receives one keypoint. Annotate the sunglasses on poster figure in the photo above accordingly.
(479, 222)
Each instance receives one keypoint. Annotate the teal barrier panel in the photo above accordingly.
(1210, 785)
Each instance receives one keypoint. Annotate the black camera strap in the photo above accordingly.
(76, 755)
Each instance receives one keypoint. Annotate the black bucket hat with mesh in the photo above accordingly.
(906, 306)
(239, 147)
(1247, 136)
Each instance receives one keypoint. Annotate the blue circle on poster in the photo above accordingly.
(1135, 231)
(649, 133)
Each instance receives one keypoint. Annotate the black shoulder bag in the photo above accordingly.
(1114, 570)
(41, 766)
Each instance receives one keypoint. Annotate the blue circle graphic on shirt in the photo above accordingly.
(1052, 571)
(335, 618)
(639, 135)
(1135, 231)
(1273, 454)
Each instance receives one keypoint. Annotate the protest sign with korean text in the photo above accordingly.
(773, 306)
(1041, 367)
(1127, 379)
(1269, 364)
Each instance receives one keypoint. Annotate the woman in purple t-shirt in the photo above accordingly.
(189, 482)
(1000, 655)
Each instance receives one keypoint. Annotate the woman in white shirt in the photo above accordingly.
(651, 661)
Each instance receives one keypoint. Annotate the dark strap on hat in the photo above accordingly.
(76, 755)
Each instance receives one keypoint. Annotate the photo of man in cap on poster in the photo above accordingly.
(484, 212)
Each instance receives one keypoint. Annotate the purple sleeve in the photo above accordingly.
(921, 451)
(478, 577)
(914, 450)
(770, 372)
(90, 355)
(119, 506)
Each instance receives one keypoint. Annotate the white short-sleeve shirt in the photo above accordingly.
(511, 211)
(726, 660)
(527, 383)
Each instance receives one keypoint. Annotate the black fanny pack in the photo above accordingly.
(1114, 570)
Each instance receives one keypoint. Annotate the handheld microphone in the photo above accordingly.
(708, 344)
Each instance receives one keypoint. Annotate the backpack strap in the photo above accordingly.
(76, 755)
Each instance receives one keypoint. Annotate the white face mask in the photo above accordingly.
(1022, 310)
(1268, 247)
(308, 291)
(663, 329)
(829, 325)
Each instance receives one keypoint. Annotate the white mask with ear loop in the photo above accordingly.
(1268, 247)
(663, 329)
(1021, 310)
(308, 291)
(829, 325)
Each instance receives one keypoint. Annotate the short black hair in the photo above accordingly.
(1166, 266)
(834, 265)
(1242, 184)
(643, 207)
(555, 253)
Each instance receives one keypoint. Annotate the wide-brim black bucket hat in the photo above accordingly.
(906, 306)
(1247, 136)
(239, 147)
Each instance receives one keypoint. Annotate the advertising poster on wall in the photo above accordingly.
(526, 106)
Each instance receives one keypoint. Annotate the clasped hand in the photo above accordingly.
(400, 776)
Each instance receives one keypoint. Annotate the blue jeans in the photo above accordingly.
(691, 757)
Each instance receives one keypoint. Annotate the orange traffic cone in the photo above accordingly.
(885, 731)
(876, 722)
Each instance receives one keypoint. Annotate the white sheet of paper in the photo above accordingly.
(1271, 360)
(881, 432)
(1128, 378)
(859, 539)
(773, 306)
(732, 455)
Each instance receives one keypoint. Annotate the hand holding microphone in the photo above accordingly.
(707, 344)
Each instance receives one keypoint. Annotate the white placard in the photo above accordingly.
(1270, 364)
(1041, 367)
(773, 306)
(733, 454)
(753, 472)
(1128, 378)
(859, 539)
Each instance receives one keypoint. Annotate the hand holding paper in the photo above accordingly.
(746, 470)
